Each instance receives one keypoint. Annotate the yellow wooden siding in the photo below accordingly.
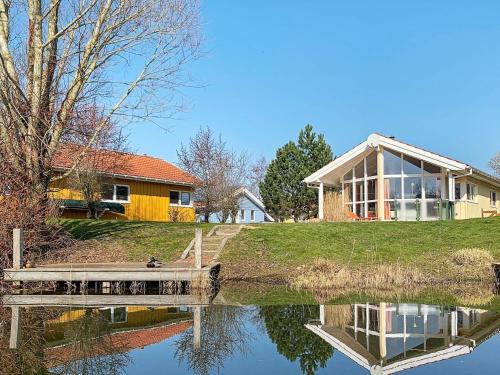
(469, 210)
(149, 201)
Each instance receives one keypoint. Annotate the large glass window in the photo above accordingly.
(432, 187)
(360, 191)
(431, 169)
(392, 163)
(392, 188)
(372, 190)
(411, 165)
(359, 170)
(413, 187)
(371, 164)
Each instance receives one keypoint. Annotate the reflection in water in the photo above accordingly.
(388, 338)
(285, 327)
(383, 338)
(221, 335)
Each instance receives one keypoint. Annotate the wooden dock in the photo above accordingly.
(111, 272)
(104, 274)
(29, 300)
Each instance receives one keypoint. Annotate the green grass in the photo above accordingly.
(135, 239)
(361, 242)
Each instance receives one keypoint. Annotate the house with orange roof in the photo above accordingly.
(384, 178)
(137, 187)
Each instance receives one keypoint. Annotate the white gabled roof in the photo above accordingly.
(244, 191)
(333, 170)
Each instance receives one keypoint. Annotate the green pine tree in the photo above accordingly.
(283, 191)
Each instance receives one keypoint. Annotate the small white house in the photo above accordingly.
(251, 210)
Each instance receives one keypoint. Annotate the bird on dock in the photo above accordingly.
(153, 263)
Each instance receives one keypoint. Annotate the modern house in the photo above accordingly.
(250, 210)
(388, 338)
(137, 187)
(387, 179)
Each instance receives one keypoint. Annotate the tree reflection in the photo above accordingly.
(223, 334)
(90, 349)
(87, 349)
(285, 327)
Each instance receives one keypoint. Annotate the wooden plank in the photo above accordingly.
(36, 274)
(105, 300)
(18, 248)
(197, 248)
(15, 328)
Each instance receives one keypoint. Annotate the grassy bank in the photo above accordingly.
(122, 241)
(279, 251)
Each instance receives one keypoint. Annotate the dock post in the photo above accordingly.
(197, 248)
(15, 328)
(197, 327)
(17, 252)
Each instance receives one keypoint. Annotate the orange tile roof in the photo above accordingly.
(123, 164)
(118, 343)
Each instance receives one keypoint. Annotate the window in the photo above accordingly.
(471, 192)
(392, 163)
(115, 193)
(180, 198)
(493, 198)
(411, 165)
(458, 191)
(413, 187)
(174, 197)
(252, 215)
(392, 188)
(242, 215)
(185, 198)
(432, 187)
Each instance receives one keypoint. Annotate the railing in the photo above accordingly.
(434, 209)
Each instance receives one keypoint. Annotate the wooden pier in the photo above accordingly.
(197, 275)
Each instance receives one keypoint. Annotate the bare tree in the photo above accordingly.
(221, 171)
(56, 55)
(87, 177)
(256, 176)
(495, 164)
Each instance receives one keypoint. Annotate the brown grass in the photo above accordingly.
(334, 210)
(338, 315)
(471, 265)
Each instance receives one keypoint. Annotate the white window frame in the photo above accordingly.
(242, 217)
(180, 198)
(252, 216)
(474, 192)
(491, 198)
(114, 200)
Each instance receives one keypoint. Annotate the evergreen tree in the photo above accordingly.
(283, 191)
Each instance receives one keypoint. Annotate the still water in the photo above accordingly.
(363, 338)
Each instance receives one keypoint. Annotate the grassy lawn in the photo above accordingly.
(295, 245)
(134, 240)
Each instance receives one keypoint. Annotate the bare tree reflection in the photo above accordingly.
(223, 334)
(91, 349)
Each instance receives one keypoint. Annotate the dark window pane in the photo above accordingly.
(174, 197)
(360, 191)
(348, 175)
(429, 168)
(432, 186)
(372, 190)
(458, 192)
(413, 187)
(185, 199)
(371, 164)
(411, 165)
(107, 192)
(359, 170)
(392, 162)
(120, 315)
(121, 193)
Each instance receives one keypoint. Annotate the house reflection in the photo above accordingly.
(388, 338)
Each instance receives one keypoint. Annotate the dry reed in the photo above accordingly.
(334, 210)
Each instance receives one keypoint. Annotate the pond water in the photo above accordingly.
(362, 338)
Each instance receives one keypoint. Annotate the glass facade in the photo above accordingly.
(413, 189)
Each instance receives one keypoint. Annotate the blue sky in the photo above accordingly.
(427, 72)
